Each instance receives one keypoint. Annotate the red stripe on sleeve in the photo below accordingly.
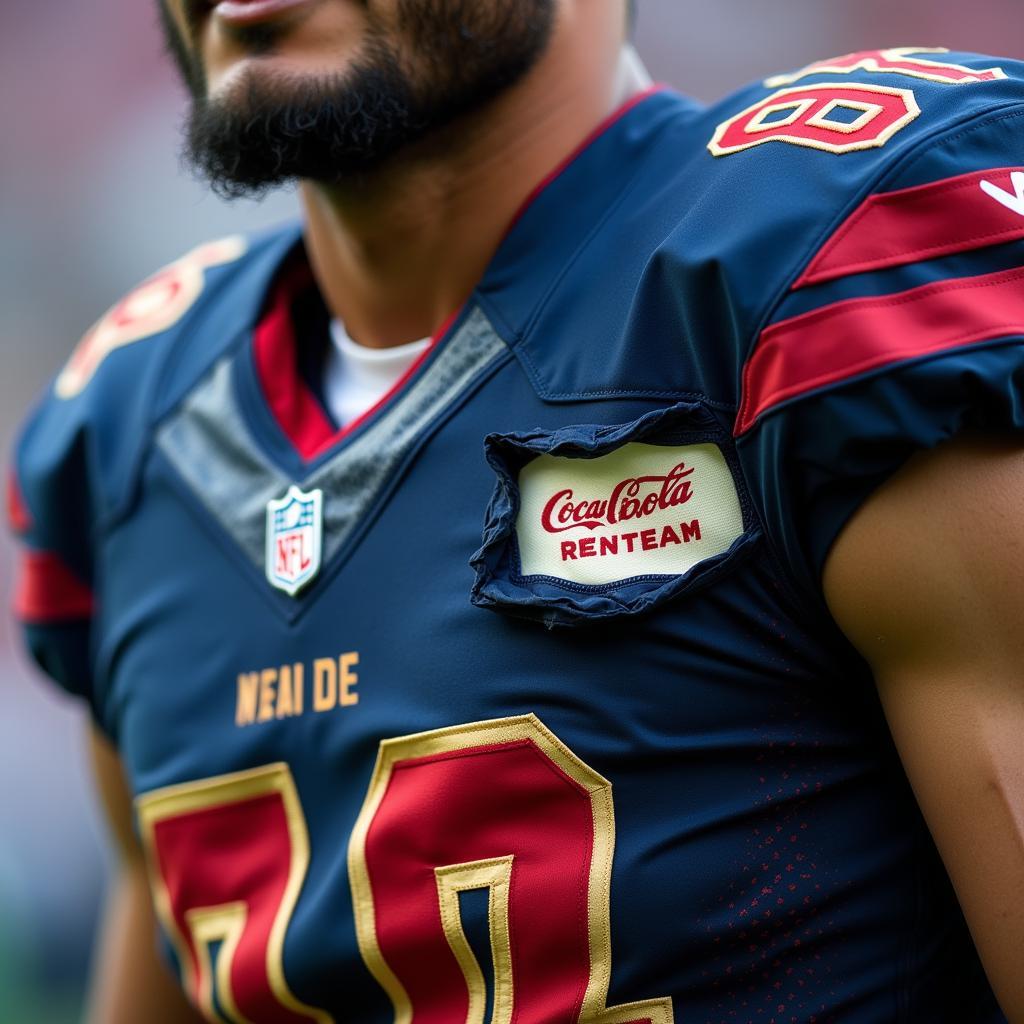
(48, 592)
(833, 344)
(18, 516)
(946, 217)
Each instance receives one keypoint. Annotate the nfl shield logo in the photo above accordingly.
(294, 525)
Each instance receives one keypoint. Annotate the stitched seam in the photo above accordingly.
(1015, 110)
(530, 370)
(533, 372)
(637, 393)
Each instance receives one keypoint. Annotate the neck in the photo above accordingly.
(396, 256)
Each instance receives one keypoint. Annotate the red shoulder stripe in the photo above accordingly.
(946, 217)
(48, 592)
(18, 516)
(833, 344)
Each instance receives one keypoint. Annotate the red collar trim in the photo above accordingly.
(553, 175)
(291, 402)
(404, 379)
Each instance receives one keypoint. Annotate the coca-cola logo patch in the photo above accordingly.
(641, 510)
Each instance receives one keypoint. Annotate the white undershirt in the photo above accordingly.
(356, 378)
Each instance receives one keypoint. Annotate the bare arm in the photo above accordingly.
(130, 983)
(927, 580)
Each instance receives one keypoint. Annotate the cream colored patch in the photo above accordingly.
(641, 510)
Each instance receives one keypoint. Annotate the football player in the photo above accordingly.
(575, 575)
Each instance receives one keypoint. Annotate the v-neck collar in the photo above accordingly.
(555, 221)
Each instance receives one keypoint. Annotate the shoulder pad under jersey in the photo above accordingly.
(673, 239)
(900, 315)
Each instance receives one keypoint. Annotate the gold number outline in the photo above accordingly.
(788, 98)
(224, 922)
(595, 1009)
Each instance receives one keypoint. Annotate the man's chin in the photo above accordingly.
(308, 109)
(261, 127)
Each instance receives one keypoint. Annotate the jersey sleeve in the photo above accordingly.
(50, 510)
(905, 329)
(80, 451)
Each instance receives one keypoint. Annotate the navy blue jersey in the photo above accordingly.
(517, 699)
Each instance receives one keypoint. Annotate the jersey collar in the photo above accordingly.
(564, 212)
(556, 221)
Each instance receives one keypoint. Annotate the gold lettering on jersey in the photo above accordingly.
(347, 697)
(268, 694)
(279, 692)
(248, 691)
(335, 682)
(325, 690)
(289, 691)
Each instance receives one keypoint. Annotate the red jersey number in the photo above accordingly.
(227, 859)
(499, 806)
(843, 118)
(502, 806)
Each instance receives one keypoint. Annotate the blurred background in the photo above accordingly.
(92, 199)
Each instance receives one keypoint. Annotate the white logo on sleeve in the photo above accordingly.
(641, 510)
(1011, 200)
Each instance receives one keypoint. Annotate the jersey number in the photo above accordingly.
(156, 305)
(836, 118)
(498, 806)
(842, 118)
(227, 860)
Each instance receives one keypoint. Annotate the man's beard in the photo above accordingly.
(342, 128)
